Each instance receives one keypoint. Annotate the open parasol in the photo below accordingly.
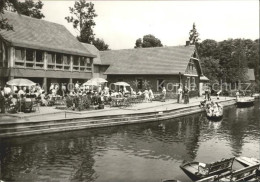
(98, 80)
(121, 84)
(20, 82)
(91, 83)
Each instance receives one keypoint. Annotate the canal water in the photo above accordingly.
(146, 152)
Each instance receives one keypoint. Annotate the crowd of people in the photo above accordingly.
(19, 98)
(80, 96)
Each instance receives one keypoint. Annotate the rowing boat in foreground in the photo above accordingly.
(223, 171)
(198, 170)
(248, 174)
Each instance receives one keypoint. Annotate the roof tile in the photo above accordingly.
(40, 34)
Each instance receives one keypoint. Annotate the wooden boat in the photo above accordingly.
(214, 111)
(249, 174)
(245, 101)
(247, 161)
(198, 171)
(256, 96)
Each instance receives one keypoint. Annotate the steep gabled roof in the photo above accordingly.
(93, 50)
(40, 34)
(159, 60)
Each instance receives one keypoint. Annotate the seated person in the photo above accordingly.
(139, 92)
(43, 99)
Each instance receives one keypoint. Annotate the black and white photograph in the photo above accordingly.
(129, 91)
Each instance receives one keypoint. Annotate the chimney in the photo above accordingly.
(187, 43)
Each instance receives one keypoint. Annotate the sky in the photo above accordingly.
(120, 23)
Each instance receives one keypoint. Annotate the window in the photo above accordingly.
(66, 59)
(51, 58)
(89, 64)
(29, 54)
(82, 61)
(139, 83)
(160, 84)
(58, 59)
(188, 82)
(193, 83)
(75, 60)
(19, 57)
(19, 53)
(39, 56)
(75, 63)
(66, 62)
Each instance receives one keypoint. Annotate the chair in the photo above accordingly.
(36, 106)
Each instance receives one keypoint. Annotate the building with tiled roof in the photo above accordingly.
(99, 68)
(42, 51)
(154, 67)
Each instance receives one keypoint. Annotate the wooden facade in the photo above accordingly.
(41, 66)
(43, 52)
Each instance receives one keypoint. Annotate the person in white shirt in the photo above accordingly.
(7, 90)
(21, 92)
(179, 95)
(51, 87)
(151, 96)
(146, 95)
(77, 85)
(15, 89)
(163, 94)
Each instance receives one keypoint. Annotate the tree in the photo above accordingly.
(83, 20)
(100, 44)
(194, 35)
(211, 68)
(207, 48)
(31, 8)
(148, 41)
(4, 4)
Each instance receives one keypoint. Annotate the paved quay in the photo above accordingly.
(51, 113)
(51, 120)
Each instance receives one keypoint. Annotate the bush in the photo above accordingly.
(78, 102)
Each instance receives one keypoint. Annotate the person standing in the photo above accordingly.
(7, 91)
(237, 94)
(186, 95)
(151, 96)
(163, 94)
(2, 100)
(207, 94)
(146, 95)
(51, 88)
(179, 95)
(63, 89)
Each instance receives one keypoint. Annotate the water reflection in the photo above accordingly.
(143, 152)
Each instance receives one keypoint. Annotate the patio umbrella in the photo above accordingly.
(121, 84)
(91, 83)
(99, 80)
(20, 82)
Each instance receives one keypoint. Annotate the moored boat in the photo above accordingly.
(249, 174)
(214, 111)
(247, 161)
(245, 101)
(256, 96)
(197, 170)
